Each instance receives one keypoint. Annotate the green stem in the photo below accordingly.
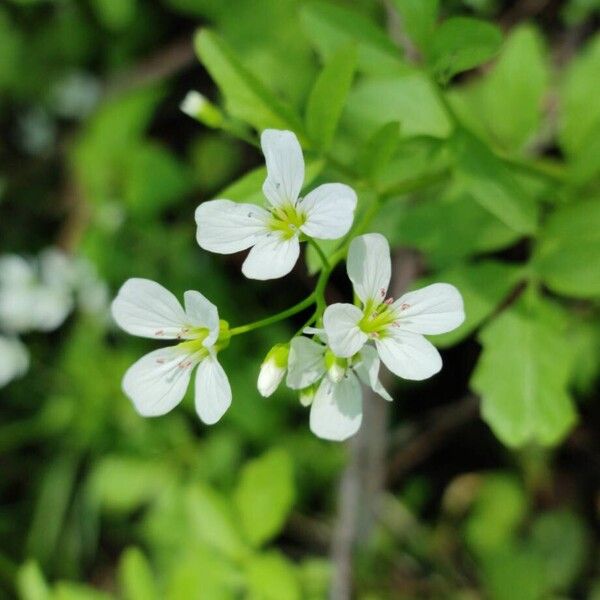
(300, 306)
(320, 252)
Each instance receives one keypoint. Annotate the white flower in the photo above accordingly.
(14, 359)
(397, 328)
(31, 298)
(325, 213)
(273, 369)
(330, 384)
(158, 381)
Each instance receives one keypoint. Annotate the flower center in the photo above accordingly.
(376, 320)
(286, 220)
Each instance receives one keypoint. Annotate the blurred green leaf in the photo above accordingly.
(523, 374)
(135, 576)
(264, 495)
(115, 15)
(246, 97)
(507, 104)
(580, 114)
(11, 47)
(378, 151)
(271, 576)
(462, 43)
(74, 591)
(567, 254)
(328, 96)
(419, 20)
(559, 537)
(122, 484)
(31, 584)
(491, 183)
(331, 27)
(212, 521)
(499, 509)
(408, 99)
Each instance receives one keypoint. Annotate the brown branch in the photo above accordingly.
(363, 479)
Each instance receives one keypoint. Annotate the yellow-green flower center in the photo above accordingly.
(287, 220)
(196, 346)
(377, 319)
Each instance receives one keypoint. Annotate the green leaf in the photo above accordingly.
(213, 522)
(331, 27)
(272, 576)
(122, 484)
(31, 584)
(115, 15)
(265, 495)
(135, 576)
(245, 96)
(328, 96)
(462, 43)
(483, 286)
(378, 151)
(491, 183)
(446, 230)
(560, 538)
(569, 246)
(523, 374)
(506, 105)
(498, 511)
(409, 99)
(580, 113)
(419, 19)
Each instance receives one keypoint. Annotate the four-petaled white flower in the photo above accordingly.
(396, 328)
(158, 381)
(325, 213)
(331, 384)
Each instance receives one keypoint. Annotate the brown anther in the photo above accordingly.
(159, 332)
(160, 361)
(404, 306)
(388, 301)
(382, 292)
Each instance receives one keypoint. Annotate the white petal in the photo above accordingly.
(201, 312)
(271, 257)
(370, 267)
(14, 359)
(52, 307)
(409, 355)
(336, 412)
(329, 211)
(306, 363)
(343, 333)
(368, 371)
(437, 308)
(158, 381)
(285, 166)
(145, 308)
(226, 227)
(213, 392)
(16, 271)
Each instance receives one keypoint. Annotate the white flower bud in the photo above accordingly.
(200, 108)
(273, 369)
(307, 395)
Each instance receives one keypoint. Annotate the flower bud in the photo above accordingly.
(307, 395)
(336, 366)
(273, 369)
(200, 108)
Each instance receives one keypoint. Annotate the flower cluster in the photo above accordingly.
(325, 364)
(38, 295)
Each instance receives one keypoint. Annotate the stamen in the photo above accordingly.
(382, 292)
(404, 306)
(159, 332)
(160, 361)
(388, 301)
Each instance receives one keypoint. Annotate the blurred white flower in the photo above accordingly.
(14, 359)
(396, 327)
(331, 385)
(325, 213)
(158, 381)
(197, 106)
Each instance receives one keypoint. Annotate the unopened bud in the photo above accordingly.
(200, 108)
(307, 395)
(273, 369)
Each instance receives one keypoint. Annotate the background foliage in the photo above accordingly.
(477, 122)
